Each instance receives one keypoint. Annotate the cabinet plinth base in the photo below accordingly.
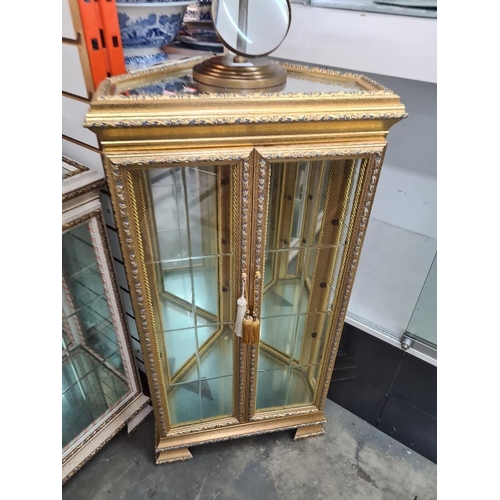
(178, 455)
(175, 447)
(309, 431)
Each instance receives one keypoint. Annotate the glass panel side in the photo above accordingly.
(423, 322)
(310, 204)
(189, 253)
(93, 376)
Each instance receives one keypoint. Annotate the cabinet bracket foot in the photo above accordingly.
(178, 455)
(309, 431)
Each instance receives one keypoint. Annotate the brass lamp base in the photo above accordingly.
(227, 72)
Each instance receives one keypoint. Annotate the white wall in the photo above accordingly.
(399, 46)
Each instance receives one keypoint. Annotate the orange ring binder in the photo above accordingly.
(101, 32)
(112, 38)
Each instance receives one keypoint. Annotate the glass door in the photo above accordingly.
(186, 226)
(273, 232)
(309, 210)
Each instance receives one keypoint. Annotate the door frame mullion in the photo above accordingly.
(259, 179)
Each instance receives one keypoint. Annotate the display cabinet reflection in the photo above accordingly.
(93, 377)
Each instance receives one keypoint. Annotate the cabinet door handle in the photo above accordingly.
(247, 326)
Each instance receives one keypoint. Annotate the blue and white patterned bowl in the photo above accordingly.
(143, 57)
(149, 26)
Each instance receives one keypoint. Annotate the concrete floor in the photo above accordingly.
(352, 461)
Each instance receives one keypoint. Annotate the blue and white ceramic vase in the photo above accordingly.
(201, 12)
(145, 27)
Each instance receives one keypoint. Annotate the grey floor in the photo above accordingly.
(352, 461)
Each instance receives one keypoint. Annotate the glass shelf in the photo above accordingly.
(182, 83)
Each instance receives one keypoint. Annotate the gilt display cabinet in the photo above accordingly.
(241, 218)
(101, 390)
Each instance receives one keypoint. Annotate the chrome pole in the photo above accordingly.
(241, 43)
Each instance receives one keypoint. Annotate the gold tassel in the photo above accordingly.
(247, 329)
(255, 331)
